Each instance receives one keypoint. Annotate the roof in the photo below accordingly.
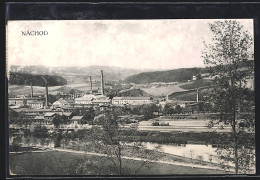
(100, 96)
(67, 113)
(132, 98)
(83, 99)
(89, 96)
(66, 106)
(70, 100)
(64, 113)
(101, 100)
(25, 98)
(60, 101)
(75, 118)
(29, 114)
(117, 98)
(36, 110)
(34, 101)
(49, 114)
(39, 117)
(104, 105)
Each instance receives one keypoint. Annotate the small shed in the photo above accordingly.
(76, 120)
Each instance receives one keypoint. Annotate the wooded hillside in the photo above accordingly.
(179, 75)
(26, 79)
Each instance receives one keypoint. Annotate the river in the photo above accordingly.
(201, 152)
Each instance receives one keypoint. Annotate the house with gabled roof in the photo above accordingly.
(48, 117)
(60, 103)
(76, 120)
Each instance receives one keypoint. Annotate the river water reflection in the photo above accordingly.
(194, 151)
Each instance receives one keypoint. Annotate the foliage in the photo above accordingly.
(133, 93)
(57, 139)
(111, 138)
(16, 144)
(178, 109)
(230, 49)
(15, 117)
(155, 123)
(52, 98)
(88, 115)
(179, 75)
(64, 164)
(40, 132)
(147, 111)
(158, 124)
(168, 109)
(57, 120)
(26, 79)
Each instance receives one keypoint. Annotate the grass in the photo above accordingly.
(190, 95)
(64, 163)
(197, 83)
(162, 90)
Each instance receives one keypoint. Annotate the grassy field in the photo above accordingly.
(187, 95)
(162, 90)
(22, 90)
(64, 163)
(197, 83)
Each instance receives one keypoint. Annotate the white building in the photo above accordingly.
(60, 102)
(91, 99)
(131, 100)
(36, 104)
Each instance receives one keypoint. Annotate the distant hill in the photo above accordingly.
(133, 93)
(179, 75)
(16, 78)
(110, 73)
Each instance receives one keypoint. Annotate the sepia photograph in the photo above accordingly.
(131, 97)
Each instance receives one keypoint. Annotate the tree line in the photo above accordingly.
(36, 80)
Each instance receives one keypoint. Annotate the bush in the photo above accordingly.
(155, 124)
(158, 124)
(164, 124)
(16, 146)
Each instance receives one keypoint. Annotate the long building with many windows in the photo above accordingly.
(132, 100)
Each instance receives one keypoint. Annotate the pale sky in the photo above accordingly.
(138, 44)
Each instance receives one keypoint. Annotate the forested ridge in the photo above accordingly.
(179, 75)
(17, 78)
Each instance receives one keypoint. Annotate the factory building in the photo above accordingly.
(132, 100)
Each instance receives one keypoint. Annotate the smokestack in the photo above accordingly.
(90, 84)
(102, 83)
(31, 90)
(197, 94)
(47, 99)
(46, 86)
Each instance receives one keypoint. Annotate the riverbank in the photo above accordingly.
(66, 162)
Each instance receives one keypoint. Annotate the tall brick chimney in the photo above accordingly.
(197, 91)
(90, 84)
(46, 96)
(31, 90)
(102, 83)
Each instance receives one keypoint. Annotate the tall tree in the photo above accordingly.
(112, 139)
(57, 120)
(229, 57)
